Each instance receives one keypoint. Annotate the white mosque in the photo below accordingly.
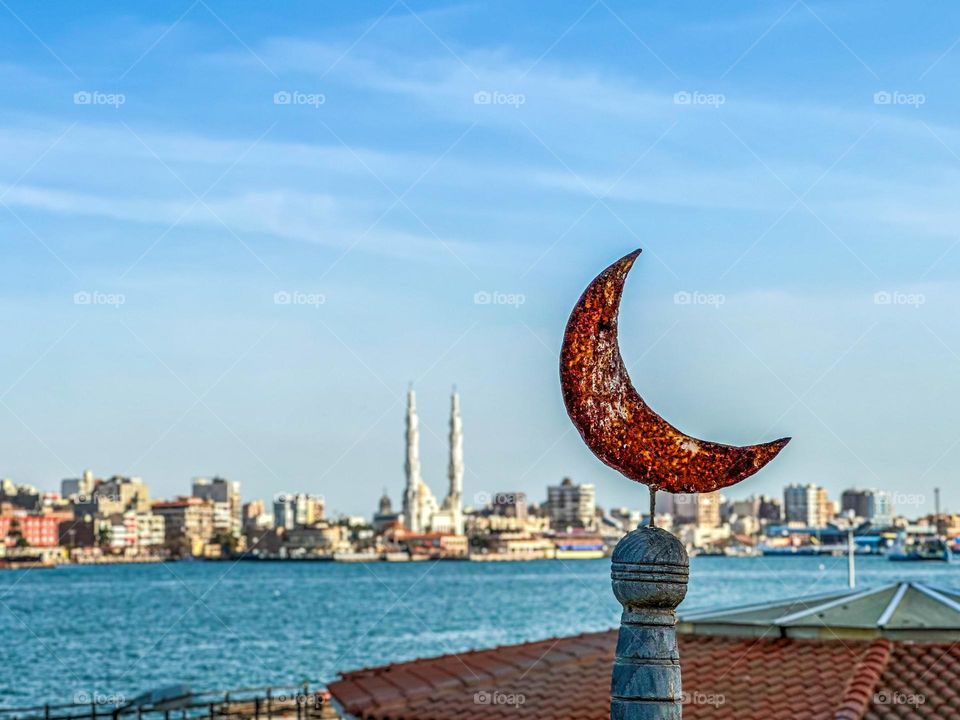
(421, 512)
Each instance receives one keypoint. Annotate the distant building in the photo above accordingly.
(700, 509)
(256, 517)
(747, 515)
(225, 496)
(78, 533)
(769, 510)
(25, 497)
(134, 533)
(284, 512)
(77, 488)
(310, 509)
(297, 511)
(117, 495)
(21, 528)
(875, 506)
(806, 504)
(385, 517)
(684, 508)
(708, 510)
(748, 507)
(188, 524)
(510, 504)
(572, 506)
(626, 518)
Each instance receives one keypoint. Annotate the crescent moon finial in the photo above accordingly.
(614, 420)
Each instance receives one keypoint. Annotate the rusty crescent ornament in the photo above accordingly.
(616, 423)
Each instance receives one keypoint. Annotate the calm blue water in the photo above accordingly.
(127, 629)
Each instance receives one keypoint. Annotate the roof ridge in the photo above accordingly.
(866, 675)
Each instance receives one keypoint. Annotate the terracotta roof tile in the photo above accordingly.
(920, 681)
(723, 677)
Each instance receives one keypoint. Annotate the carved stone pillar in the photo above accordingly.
(649, 573)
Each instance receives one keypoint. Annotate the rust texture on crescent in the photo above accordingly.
(616, 423)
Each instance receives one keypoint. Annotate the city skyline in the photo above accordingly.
(233, 235)
(907, 505)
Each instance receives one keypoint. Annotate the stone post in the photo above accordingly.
(649, 573)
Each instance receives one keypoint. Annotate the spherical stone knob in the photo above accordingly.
(649, 573)
(650, 570)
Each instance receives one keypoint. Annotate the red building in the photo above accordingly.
(36, 530)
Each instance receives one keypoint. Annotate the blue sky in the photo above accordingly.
(780, 163)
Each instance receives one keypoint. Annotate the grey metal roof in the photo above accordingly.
(902, 611)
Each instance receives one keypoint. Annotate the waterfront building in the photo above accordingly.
(151, 531)
(874, 506)
(78, 533)
(482, 525)
(225, 497)
(572, 506)
(436, 545)
(421, 512)
(188, 524)
(517, 546)
(19, 528)
(120, 532)
(322, 539)
(578, 546)
(806, 504)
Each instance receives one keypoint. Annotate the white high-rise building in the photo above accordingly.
(421, 513)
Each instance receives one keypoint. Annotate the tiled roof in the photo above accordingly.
(920, 681)
(724, 678)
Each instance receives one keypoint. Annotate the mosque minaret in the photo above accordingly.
(421, 512)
